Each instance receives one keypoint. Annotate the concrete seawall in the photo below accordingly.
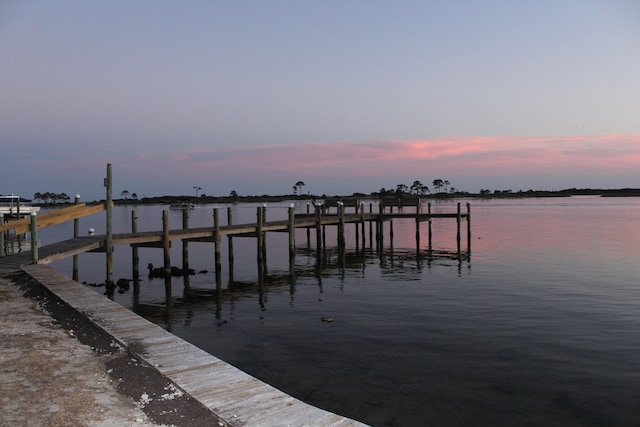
(233, 396)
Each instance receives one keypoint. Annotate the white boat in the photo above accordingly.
(15, 207)
(183, 205)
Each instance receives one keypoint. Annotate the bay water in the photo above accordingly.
(541, 326)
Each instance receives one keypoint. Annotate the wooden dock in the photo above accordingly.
(163, 238)
(233, 396)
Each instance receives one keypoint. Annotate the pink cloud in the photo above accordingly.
(486, 155)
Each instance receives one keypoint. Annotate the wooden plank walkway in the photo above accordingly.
(234, 396)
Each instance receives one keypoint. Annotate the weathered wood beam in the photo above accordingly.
(54, 217)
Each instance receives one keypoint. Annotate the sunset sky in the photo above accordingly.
(345, 95)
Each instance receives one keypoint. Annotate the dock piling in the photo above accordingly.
(185, 243)
(216, 227)
(230, 243)
(76, 233)
(34, 237)
(166, 243)
(135, 256)
(108, 182)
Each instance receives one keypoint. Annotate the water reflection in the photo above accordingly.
(541, 330)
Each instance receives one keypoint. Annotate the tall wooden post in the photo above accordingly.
(430, 230)
(458, 220)
(230, 243)
(391, 226)
(469, 229)
(418, 233)
(264, 237)
(362, 224)
(318, 230)
(371, 226)
(109, 240)
(34, 237)
(380, 227)
(292, 231)
(308, 229)
(135, 257)
(76, 234)
(357, 225)
(185, 243)
(341, 239)
(166, 242)
(216, 227)
(259, 235)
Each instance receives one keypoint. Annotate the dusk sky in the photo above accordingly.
(345, 95)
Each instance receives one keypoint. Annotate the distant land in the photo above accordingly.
(503, 194)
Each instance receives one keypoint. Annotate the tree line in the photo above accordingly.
(49, 197)
(419, 189)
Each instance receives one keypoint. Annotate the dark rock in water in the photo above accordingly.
(203, 271)
(123, 284)
(173, 272)
(327, 319)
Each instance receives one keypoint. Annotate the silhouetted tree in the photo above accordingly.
(419, 188)
(438, 184)
(401, 188)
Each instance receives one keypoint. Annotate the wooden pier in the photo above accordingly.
(317, 221)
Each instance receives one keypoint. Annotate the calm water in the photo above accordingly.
(540, 327)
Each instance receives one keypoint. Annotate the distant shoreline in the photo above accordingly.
(507, 194)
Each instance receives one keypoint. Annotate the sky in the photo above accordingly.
(344, 95)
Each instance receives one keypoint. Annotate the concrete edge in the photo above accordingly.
(233, 396)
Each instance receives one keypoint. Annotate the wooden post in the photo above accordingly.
(185, 243)
(292, 231)
(135, 257)
(230, 243)
(371, 226)
(109, 241)
(362, 224)
(76, 234)
(34, 237)
(308, 229)
(216, 227)
(380, 227)
(166, 242)
(418, 233)
(458, 220)
(264, 237)
(391, 226)
(259, 235)
(318, 230)
(430, 231)
(2, 250)
(341, 239)
(357, 225)
(468, 229)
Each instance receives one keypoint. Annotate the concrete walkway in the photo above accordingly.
(214, 391)
(49, 378)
